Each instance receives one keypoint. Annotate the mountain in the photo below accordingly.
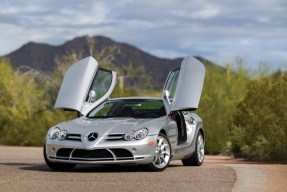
(43, 57)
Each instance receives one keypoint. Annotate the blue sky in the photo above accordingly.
(219, 30)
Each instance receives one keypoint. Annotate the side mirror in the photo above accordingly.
(92, 96)
(166, 96)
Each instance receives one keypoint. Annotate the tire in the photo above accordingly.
(198, 156)
(162, 154)
(57, 166)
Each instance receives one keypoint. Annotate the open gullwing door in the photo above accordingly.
(183, 86)
(85, 86)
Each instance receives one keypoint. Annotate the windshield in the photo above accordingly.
(136, 108)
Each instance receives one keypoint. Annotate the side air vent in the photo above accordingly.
(73, 137)
(115, 137)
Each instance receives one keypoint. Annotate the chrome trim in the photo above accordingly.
(71, 153)
(137, 160)
(96, 159)
(115, 157)
(74, 137)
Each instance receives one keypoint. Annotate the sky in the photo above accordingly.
(219, 30)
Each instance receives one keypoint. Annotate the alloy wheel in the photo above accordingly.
(200, 148)
(162, 153)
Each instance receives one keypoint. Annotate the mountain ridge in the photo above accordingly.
(42, 57)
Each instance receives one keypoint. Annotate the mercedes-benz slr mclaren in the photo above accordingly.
(132, 130)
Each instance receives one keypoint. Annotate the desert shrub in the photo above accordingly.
(222, 91)
(259, 126)
(27, 100)
(26, 110)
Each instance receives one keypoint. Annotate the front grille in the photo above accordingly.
(94, 155)
(122, 153)
(73, 137)
(115, 137)
(64, 152)
(97, 153)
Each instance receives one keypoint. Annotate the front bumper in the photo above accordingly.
(102, 151)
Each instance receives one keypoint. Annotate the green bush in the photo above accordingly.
(222, 91)
(26, 101)
(252, 121)
(259, 127)
(26, 107)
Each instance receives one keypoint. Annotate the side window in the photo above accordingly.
(101, 83)
(171, 84)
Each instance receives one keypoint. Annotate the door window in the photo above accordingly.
(172, 83)
(101, 84)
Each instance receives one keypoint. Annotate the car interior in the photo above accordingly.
(141, 113)
(178, 117)
(127, 112)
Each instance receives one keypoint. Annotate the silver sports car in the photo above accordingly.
(135, 130)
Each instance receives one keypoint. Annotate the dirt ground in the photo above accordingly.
(223, 173)
(273, 177)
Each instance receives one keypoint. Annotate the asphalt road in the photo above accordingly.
(23, 169)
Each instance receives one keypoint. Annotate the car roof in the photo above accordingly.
(144, 98)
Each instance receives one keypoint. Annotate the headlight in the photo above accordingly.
(62, 135)
(129, 135)
(141, 133)
(138, 135)
(56, 133)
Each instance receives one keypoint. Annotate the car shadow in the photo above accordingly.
(90, 168)
(174, 165)
(18, 164)
(86, 168)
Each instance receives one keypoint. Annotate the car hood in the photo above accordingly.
(105, 126)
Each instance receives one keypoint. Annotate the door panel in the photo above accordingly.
(79, 79)
(185, 85)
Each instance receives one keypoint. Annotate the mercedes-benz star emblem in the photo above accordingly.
(92, 136)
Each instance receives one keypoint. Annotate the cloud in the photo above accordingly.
(218, 30)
